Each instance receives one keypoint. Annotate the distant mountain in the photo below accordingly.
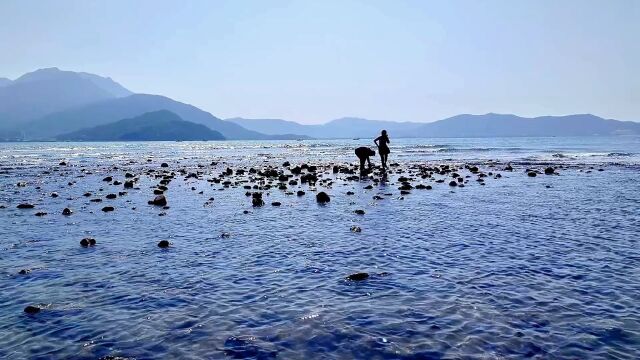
(346, 128)
(488, 125)
(160, 125)
(107, 111)
(503, 125)
(44, 91)
(4, 82)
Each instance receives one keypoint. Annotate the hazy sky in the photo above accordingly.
(312, 61)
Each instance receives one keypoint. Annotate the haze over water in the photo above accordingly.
(542, 267)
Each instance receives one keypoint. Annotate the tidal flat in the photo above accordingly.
(465, 249)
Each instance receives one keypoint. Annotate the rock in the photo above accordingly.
(108, 208)
(54, 195)
(67, 212)
(32, 309)
(358, 276)
(322, 197)
(359, 212)
(453, 183)
(159, 200)
(356, 229)
(40, 213)
(25, 206)
(111, 196)
(164, 165)
(257, 202)
(107, 179)
(276, 203)
(163, 244)
(128, 175)
(350, 193)
(86, 242)
(117, 182)
(300, 193)
(24, 271)
(549, 171)
(508, 168)
(286, 164)
(532, 174)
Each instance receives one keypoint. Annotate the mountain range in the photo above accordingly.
(49, 104)
(466, 125)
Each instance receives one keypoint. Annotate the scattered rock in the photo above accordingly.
(25, 206)
(322, 197)
(549, 171)
(453, 183)
(32, 309)
(159, 200)
(111, 196)
(108, 208)
(300, 193)
(358, 276)
(163, 244)
(107, 179)
(86, 242)
(532, 174)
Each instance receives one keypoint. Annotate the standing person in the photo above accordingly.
(381, 142)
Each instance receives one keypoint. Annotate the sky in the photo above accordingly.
(314, 61)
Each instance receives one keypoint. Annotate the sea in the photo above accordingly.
(514, 264)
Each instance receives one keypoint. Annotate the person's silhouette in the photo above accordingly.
(381, 142)
(363, 153)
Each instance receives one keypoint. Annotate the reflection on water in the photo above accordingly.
(543, 267)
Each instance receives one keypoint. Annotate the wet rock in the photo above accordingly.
(453, 183)
(24, 271)
(62, 163)
(163, 244)
(286, 164)
(276, 203)
(350, 193)
(86, 242)
(87, 194)
(32, 309)
(405, 192)
(164, 165)
(111, 196)
(322, 197)
(107, 179)
(40, 213)
(108, 208)
(356, 229)
(67, 212)
(129, 175)
(159, 200)
(508, 168)
(549, 171)
(300, 193)
(117, 182)
(96, 200)
(25, 206)
(532, 174)
(358, 276)
(359, 212)
(256, 199)
(54, 195)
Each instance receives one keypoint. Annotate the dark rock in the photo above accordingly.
(163, 244)
(322, 197)
(25, 206)
(96, 200)
(24, 271)
(108, 208)
(300, 193)
(107, 179)
(453, 183)
(356, 229)
(508, 168)
(159, 200)
(276, 203)
(359, 212)
(549, 171)
(111, 196)
(41, 213)
(532, 174)
(54, 195)
(32, 309)
(164, 165)
(350, 193)
(86, 242)
(358, 277)
(117, 182)
(67, 212)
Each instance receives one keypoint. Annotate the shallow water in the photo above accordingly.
(522, 267)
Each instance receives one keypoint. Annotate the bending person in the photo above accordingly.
(363, 153)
